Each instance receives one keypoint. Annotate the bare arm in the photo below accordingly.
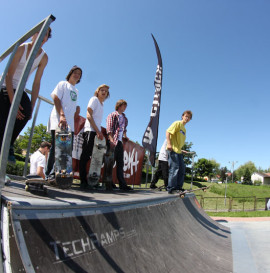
(40, 172)
(9, 78)
(60, 111)
(92, 122)
(169, 145)
(37, 80)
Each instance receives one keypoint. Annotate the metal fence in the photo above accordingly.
(220, 204)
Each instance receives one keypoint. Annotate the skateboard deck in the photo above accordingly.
(108, 169)
(63, 159)
(99, 150)
(161, 188)
(183, 193)
(35, 185)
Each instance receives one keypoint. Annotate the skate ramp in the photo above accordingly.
(160, 233)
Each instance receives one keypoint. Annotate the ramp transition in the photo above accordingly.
(158, 234)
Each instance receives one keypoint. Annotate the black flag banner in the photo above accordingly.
(150, 136)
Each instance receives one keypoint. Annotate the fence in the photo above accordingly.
(221, 204)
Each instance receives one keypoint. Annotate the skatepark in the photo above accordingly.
(74, 230)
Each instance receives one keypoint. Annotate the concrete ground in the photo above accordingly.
(250, 243)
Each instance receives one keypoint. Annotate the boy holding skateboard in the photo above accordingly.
(65, 101)
(116, 130)
(92, 128)
(176, 136)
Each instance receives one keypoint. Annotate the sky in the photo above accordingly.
(216, 63)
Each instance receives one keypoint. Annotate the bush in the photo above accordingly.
(17, 169)
(257, 183)
(20, 157)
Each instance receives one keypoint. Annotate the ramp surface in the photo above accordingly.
(141, 231)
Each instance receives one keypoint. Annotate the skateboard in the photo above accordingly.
(183, 193)
(161, 188)
(35, 185)
(63, 158)
(108, 169)
(99, 150)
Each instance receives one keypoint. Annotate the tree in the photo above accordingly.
(223, 172)
(40, 134)
(240, 172)
(247, 177)
(187, 157)
(205, 167)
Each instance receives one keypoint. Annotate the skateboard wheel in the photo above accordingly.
(182, 195)
(27, 188)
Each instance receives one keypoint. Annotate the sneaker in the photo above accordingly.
(153, 186)
(7, 180)
(125, 188)
(114, 186)
(171, 190)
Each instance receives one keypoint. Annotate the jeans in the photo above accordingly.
(119, 158)
(87, 149)
(176, 170)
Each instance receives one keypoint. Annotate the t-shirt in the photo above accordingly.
(178, 136)
(163, 155)
(121, 121)
(97, 108)
(37, 159)
(68, 95)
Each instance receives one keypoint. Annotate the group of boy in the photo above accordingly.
(65, 103)
(65, 97)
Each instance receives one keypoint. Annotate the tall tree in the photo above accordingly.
(205, 167)
(240, 172)
(40, 134)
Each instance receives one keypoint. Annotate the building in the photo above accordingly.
(263, 177)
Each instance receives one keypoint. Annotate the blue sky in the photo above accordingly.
(216, 62)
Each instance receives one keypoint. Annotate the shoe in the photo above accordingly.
(182, 190)
(171, 190)
(153, 186)
(114, 186)
(125, 188)
(11, 156)
(7, 180)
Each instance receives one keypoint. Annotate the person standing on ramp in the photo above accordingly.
(176, 136)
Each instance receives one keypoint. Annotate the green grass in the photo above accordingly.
(241, 196)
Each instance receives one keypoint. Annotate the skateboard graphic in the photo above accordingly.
(63, 158)
(99, 150)
(108, 169)
(183, 193)
(35, 185)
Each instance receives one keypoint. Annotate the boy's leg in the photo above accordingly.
(51, 157)
(173, 161)
(87, 149)
(156, 177)
(165, 172)
(181, 173)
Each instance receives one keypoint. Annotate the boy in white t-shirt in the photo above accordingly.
(92, 128)
(38, 160)
(65, 101)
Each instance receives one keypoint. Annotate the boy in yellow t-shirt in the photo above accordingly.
(176, 136)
